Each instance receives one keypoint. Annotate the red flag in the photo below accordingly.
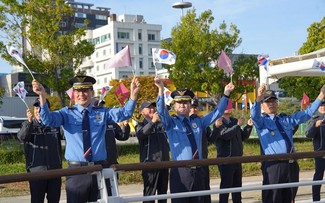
(70, 93)
(121, 59)
(229, 105)
(305, 101)
(224, 62)
(122, 93)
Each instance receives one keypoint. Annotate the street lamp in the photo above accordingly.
(182, 5)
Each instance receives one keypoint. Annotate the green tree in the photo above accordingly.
(196, 44)
(55, 54)
(2, 92)
(148, 92)
(310, 85)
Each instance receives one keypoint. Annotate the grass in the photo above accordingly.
(130, 155)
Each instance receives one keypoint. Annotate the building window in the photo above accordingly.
(125, 76)
(140, 36)
(150, 52)
(123, 35)
(104, 38)
(152, 65)
(140, 48)
(79, 25)
(80, 15)
(97, 54)
(96, 40)
(104, 52)
(104, 66)
(151, 37)
(101, 17)
(97, 68)
(141, 63)
(141, 73)
(105, 80)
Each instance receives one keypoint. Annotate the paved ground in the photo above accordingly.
(304, 192)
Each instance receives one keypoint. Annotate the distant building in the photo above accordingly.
(97, 17)
(9, 81)
(121, 31)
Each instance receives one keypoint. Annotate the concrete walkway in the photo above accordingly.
(304, 193)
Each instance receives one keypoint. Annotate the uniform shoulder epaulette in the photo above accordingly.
(71, 107)
(283, 115)
(97, 107)
(194, 116)
(174, 115)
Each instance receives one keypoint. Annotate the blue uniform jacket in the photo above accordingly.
(180, 146)
(71, 120)
(271, 139)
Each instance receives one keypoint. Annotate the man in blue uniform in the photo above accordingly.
(316, 131)
(84, 129)
(43, 152)
(275, 132)
(153, 148)
(185, 138)
(229, 141)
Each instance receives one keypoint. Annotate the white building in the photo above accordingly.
(121, 31)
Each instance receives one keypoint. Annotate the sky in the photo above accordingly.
(274, 27)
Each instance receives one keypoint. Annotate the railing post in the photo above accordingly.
(108, 173)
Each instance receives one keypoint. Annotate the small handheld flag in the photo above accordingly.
(224, 62)
(121, 59)
(104, 92)
(69, 92)
(168, 98)
(305, 102)
(16, 53)
(19, 89)
(122, 93)
(263, 60)
(163, 56)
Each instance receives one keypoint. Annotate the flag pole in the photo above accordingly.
(29, 71)
(156, 72)
(24, 103)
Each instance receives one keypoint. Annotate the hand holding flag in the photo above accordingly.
(16, 53)
(19, 89)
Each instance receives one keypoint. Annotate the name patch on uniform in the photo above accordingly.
(98, 117)
(194, 125)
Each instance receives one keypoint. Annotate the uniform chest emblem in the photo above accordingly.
(194, 125)
(98, 117)
(272, 133)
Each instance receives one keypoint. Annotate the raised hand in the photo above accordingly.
(135, 88)
(229, 88)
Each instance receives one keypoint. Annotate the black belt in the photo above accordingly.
(81, 163)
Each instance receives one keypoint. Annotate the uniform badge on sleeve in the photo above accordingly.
(98, 117)
(194, 125)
